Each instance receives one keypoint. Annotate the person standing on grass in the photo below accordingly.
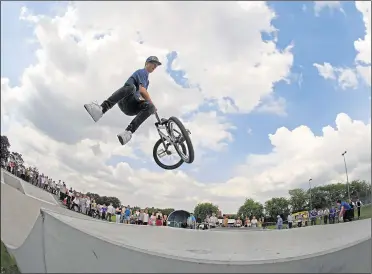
(83, 202)
(290, 221)
(165, 218)
(104, 211)
(332, 215)
(159, 221)
(279, 223)
(127, 214)
(153, 218)
(87, 206)
(320, 215)
(297, 220)
(325, 215)
(146, 217)
(313, 215)
(118, 214)
(99, 211)
(351, 204)
(110, 212)
(358, 205)
(140, 217)
(75, 203)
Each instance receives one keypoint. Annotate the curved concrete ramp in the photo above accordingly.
(66, 242)
(27, 188)
(11, 180)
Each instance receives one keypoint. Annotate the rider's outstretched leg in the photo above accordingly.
(142, 109)
(96, 111)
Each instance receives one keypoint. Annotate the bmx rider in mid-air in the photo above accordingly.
(132, 99)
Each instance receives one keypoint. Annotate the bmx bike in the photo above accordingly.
(170, 137)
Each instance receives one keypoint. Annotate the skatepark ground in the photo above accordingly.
(46, 238)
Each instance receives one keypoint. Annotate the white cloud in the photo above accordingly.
(326, 70)
(299, 154)
(363, 46)
(346, 78)
(273, 105)
(349, 77)
(331, 5)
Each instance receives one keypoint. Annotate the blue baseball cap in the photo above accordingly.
(153, 59)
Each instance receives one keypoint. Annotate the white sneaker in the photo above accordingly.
(94, 110)
(124, 137)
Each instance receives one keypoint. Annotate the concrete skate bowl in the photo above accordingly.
(66, 242)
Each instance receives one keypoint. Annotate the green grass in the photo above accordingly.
(365, 213)
(8, 263)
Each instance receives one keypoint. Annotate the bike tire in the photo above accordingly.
(187, 139)
(159, 163)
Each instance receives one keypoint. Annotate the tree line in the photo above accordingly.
(299, 200)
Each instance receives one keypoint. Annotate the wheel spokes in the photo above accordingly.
(168, 156)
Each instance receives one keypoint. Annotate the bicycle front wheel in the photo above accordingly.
(179, 135)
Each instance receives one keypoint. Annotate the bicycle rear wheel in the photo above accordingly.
(182, 137)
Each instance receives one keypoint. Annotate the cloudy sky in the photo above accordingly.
(273, 93)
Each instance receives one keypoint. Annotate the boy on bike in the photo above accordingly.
(132, 99)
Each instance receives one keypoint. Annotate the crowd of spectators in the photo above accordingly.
(73, 200)
(86, 205)
(122, 214)
(343, 212)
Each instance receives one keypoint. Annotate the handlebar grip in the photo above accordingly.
(157, 116)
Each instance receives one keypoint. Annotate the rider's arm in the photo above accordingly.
(341, 211)
(145, 94)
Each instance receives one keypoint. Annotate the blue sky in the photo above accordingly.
(315, 103)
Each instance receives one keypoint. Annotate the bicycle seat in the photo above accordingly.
(163, 121)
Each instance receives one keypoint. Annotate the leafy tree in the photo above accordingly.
(93, 196)
(5, 145)
(18, 161)
(320, 197)
(251, 208)
(203, 209)
(325, 196)
(115, 201)
(360, 189)
(167, 211)
(298, 199)
(105, 200)
(277, 206)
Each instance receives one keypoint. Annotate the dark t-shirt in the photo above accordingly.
(139, 78)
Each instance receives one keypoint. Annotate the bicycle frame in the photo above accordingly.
(159, 125)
